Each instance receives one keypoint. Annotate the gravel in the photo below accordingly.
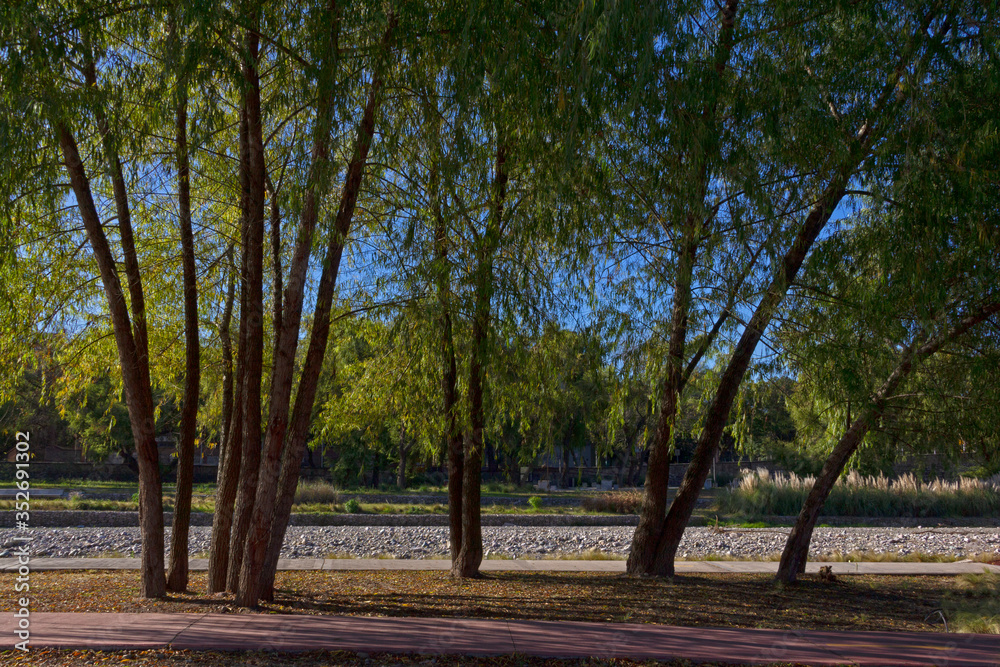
(521, 541)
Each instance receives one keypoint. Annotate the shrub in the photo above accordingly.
(316, 491)
(760, 493)
(615, 502)
(499, 487)
(535, 502)
(352, 506)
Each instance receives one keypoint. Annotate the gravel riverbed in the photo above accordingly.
(532, 541)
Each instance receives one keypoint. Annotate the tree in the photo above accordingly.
(259, 582)
(177, 575)
(922, 346)
(913, 279)
(874, 111)
(71, 92)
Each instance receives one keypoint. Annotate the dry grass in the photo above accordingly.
(616, 502)
(759, 493)
(721, 600)
(317, 491)
(588, 554)
(894, 557)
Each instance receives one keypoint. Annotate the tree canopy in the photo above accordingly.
(474, 234)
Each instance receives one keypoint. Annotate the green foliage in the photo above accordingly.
(559, 393)
(535, 502)
(352, 506)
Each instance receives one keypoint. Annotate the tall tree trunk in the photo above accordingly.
(718, 413)
(253, 251)
(277, 309)
(470, 556)
(449, 376)
(298, 432)
(251, 582)
(225, 498)
(177, 577)
(796, 552)
(132, 356)
(652, 515)
(456, 447)
(226, 341)
(232, 460)
(654, 500)
(150, 486)
(449, 382)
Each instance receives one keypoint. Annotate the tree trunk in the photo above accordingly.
(564, 467)
(654, 499)
(796, 552)
(253, 253)
(376, 468)
(449, 377)
(177, 577)
(225, 337)
(652, 516)
(230, 465)
(470, 555)
(277, 305)
(718, 413)
(259, 537)
(793, 557)
(623, 476)
(225, 493)
(401, 470)
(131, 355)
(309, 383)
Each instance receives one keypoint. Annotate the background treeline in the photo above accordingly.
(493, 229)
(357, 443)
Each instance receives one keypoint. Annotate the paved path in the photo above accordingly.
(682, 567)
(499, 637)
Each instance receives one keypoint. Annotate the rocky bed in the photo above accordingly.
(534, 541)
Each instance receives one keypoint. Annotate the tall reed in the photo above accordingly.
(759, 492)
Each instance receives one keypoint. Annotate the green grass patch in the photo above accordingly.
(974, 604)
